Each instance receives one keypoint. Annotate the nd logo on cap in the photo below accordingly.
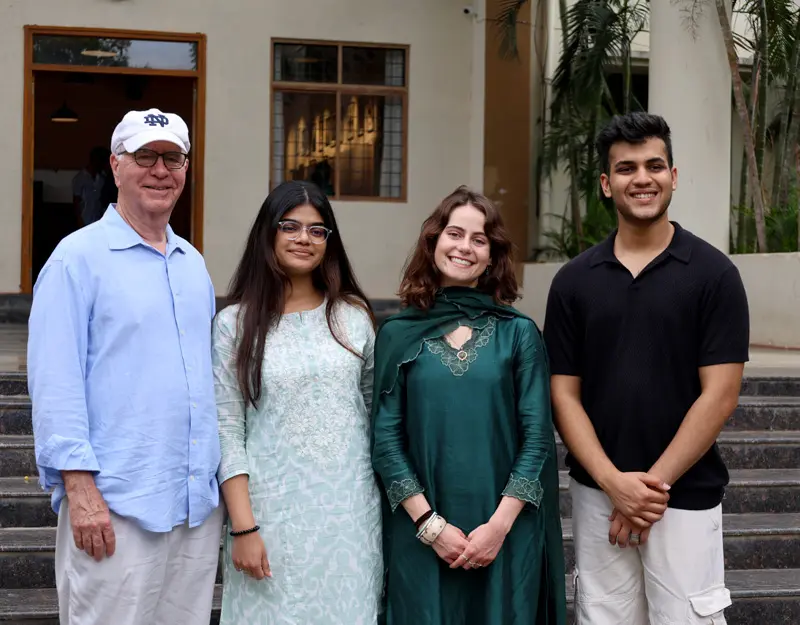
(138, 128)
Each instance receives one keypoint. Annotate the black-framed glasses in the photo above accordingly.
(292, 230)
(148, 158)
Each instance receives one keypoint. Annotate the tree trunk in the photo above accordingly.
(759, 114)
(572, 148)
(797, 168)
(782, 156)
(741, 109)
(743, 221)
(744, 203)
(626, 60)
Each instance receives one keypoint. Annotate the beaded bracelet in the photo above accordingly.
(243, 532)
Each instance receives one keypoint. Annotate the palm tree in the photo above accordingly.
(744, 118)
(596, 37)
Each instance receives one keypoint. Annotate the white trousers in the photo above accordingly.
(152, 578)
(676, 578)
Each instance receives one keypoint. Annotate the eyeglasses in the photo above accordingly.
(292, 230)
(148, 158)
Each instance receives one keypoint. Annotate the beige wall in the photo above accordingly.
(772, 283)
(445, 148)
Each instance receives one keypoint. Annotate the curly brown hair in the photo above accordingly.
(421, 277)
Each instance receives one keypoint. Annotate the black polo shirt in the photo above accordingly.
(637, 344)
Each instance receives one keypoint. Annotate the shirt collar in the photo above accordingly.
(122, 237)
(679, 247)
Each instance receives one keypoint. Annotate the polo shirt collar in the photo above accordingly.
(122, 237)
(680, 247)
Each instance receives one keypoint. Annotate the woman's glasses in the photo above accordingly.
(292, 230)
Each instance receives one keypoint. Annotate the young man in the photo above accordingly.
(124, 414)
(648, 334)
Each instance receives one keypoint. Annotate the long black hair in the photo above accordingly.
(259, 285)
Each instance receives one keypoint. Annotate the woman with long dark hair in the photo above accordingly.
(293, 371)
(463, 437)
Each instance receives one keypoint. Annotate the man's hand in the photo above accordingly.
(640, 497)
(621, 530)
(89, 515)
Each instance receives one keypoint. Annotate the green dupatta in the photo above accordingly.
(401, 336)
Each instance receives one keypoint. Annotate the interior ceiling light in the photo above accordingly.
(64, 114)
(100, 54)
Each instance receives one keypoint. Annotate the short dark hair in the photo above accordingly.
(632, 128)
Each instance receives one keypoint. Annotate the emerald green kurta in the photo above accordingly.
(466, 431)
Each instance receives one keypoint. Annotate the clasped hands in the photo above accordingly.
(640, 500)
(477, 550)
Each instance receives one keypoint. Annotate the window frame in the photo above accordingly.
(341, 90)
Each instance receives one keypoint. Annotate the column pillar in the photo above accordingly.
(690, 86)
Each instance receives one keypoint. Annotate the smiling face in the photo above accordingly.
(153, 190)
(641, 181)
(463, 250)
(302, 255)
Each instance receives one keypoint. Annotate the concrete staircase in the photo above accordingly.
(762, 509)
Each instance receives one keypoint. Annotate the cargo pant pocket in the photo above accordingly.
(706, 607)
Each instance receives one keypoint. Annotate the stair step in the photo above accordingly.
(753, 491)
(765, 596)
(753, 413)
(24, 504)
(771, 385)
(740, 449)
(771, 412)
(15, 414)
(17, 455)
(16, 383)
(752, 541)
(13, 383)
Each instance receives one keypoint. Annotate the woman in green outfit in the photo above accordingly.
(462, 436)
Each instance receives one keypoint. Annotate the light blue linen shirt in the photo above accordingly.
(119, 371)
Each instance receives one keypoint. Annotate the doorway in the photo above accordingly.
(81, 84)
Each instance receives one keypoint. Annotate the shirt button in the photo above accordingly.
(188, 368)
(191, 477)
(194, 405)
(183, 333)
(194, 442)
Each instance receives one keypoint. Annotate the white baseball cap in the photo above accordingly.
(138, 128)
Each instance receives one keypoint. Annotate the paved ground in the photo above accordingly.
(763, 361)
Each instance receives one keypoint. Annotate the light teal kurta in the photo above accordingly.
(312, 486)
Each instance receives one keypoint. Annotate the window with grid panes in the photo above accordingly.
(339, 114)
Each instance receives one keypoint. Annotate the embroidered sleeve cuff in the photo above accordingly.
(401, 490)
(227, 471)
(529, 491)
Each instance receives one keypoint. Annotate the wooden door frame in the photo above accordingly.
(199, 121)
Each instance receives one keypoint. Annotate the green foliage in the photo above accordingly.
(781, 223)
(597, 37)
(598, 222)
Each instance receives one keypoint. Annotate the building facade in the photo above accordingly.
(381, 101)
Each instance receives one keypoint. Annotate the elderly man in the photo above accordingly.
(125, 422)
